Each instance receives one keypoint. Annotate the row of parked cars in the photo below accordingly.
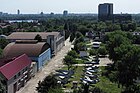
(64, 76)
(90, 75)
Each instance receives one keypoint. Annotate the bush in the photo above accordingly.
(73, 53)
(102, 51)
(92, 52)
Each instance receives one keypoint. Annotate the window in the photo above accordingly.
(15, 77)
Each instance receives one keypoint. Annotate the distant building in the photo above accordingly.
(54, 39)
(105, 11)
(41, 13)
(18, 12)
(65, 13)
(39, 52)
(15, 72)
(51, 13)
(1, 13)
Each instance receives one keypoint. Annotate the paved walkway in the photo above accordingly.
(53, 65)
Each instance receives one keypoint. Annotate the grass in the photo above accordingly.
(80, 61)
(106, 85)
(76, 77)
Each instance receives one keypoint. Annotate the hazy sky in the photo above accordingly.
(73, 6)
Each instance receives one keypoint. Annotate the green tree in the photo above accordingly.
(3, 43)
(38, 37)
(83, 29)
(2, 86)
(69, 61)
(102, 51)
(79, 47)
(92, 52)
(48, 83)
(73, 53)
(114, 40)
(72, 36)
(128, 67)
(1, 52)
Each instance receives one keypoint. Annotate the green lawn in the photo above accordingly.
(76, 77)
(107, 86)
(80, 61)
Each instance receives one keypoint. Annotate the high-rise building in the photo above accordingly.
(65, 12)
(105, 11)
(18, 11)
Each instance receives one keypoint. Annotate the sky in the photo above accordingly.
(72, 6)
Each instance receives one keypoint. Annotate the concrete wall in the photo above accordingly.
(56, 43)
(42, 59)
(60, 43)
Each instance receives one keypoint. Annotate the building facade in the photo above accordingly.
(54, 39)
(15, 73)
(105, 11)
(39, 52)
(65, 13)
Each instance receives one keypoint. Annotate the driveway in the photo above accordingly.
(54, 64)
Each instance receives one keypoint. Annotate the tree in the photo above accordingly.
(136, 39)
(69, 60)
(92, 52)
(38, 37)
(0, 52)
(73, 54)
(79, 40)
(72, 36)
(79, 47)
(132, 26)
(102, 50)
(48, 83)
(128, 67)
(114, 40)
(126, 59)
(3, 43)
(78, 35)
(2, 86)
(83, 29)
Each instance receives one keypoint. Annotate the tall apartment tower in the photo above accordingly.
(18, 11)
(105, 12)
(65, 13)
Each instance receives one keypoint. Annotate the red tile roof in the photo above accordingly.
(10, 69)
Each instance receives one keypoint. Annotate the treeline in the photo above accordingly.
(125, 69)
